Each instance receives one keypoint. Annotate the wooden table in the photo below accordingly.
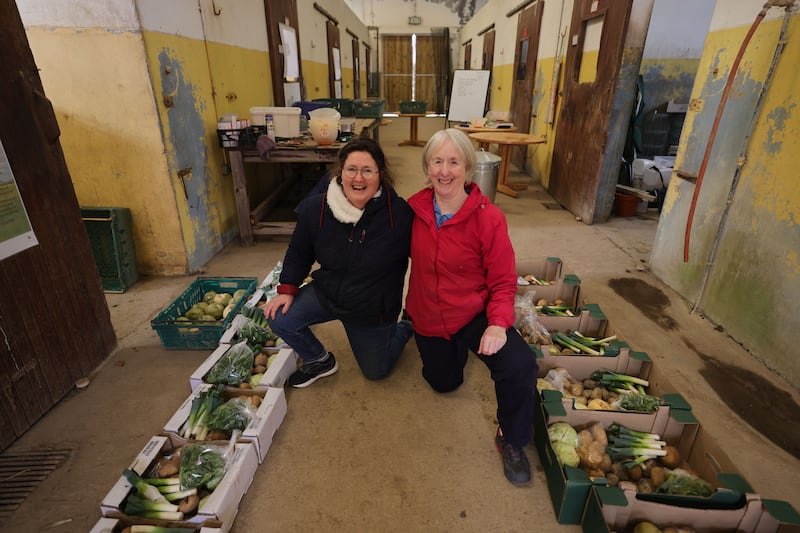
(304, 150)
(505, 141)
(471, 129)
(414, 140)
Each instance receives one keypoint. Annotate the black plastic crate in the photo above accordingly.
(178, 334)
(249, 136)
(110, 231)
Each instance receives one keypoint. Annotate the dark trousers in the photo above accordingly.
(513, 370)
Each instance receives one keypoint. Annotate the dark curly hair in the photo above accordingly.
(366, 144)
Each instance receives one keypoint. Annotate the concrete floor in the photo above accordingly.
(354, 455)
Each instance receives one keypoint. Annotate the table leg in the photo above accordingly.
(242, 198)
(516, 186)
(502, 186)
(414, 140)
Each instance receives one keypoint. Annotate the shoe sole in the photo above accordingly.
(318, 376)
(515, 483)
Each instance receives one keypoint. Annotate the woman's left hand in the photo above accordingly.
(492, 340)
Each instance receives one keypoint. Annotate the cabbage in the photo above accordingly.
(566, 453)
(563, 432)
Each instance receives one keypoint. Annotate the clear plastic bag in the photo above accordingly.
(527, 322)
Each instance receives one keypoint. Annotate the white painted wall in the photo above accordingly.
(119, 14)
(678, 28)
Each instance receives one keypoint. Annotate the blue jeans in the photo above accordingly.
(513, 369)
(376, 347)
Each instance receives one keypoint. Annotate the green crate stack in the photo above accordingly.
(198, 335)
(369, 108)
(110, 232)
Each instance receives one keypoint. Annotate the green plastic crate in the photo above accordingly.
(197, 335)
(412, 107)
(369, 108)
(110, 231)
(343, 105)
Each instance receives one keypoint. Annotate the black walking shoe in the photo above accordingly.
(515, 463)
(311, 372)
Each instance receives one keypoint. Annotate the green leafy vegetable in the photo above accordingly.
(201, 465)
(233, 414)
(234, 366)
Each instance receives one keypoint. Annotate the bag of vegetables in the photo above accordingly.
(234, 367)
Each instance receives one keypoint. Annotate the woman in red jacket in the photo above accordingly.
(461, 293)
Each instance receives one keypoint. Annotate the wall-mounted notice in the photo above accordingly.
(468, 95)
(16, 233)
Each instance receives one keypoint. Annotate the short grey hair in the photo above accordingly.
(462, 143)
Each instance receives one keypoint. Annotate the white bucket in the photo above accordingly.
(324, 125)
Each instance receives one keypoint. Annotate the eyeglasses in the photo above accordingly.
(366, 173)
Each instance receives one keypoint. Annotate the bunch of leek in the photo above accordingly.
(203, 405)
(624, 442)
(147, 501)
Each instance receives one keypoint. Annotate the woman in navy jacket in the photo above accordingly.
(359, 232)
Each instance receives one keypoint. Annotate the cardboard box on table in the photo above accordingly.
(262, 426)
(116, 525)
(283, 366)
(221, 507)
(734, 507)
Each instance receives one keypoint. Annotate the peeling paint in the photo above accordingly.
(186, 137)
(777, 123)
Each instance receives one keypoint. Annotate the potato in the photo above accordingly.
(644, 486)
(599, 433)
(217, 435)
(673, 457)
(635, 473)
(657, 476)
(259, 369)
(260, 360)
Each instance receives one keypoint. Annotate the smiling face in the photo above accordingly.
(360, 188)
(447, 170)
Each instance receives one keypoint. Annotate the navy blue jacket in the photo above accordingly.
(362, 265)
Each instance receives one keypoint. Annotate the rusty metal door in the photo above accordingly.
(528, 32)
(588, 95)
(281, 12)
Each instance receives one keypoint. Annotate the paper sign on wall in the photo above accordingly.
(16, 232)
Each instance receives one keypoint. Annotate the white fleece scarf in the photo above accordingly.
(341, 207)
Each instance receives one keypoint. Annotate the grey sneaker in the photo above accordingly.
(311, 372)
(515, 463)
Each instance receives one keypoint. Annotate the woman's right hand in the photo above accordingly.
(283, 301)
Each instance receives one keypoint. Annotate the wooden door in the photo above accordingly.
(487, 63)
(587, 102)
(334, 60)
(467, 55)
(397, 70)
(55, 327)
(432, 71)
(282, 12)
(528, 32)
(356, 68)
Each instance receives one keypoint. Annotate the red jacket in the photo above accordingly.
(461, 269)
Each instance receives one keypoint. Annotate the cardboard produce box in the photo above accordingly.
(283, 366)
(221, 507)
(617, 509)
(117, 525)
(259, 431)
(622, 360)
(590, 321)
(566, 288)
(569, 487)
(547, 269)
(734, 507)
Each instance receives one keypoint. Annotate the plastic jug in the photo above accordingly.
(324, 125)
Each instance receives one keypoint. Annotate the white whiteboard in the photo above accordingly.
(468, 95)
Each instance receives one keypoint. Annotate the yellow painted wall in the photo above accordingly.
(315, 77)
(753, 287)
(97, 81)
